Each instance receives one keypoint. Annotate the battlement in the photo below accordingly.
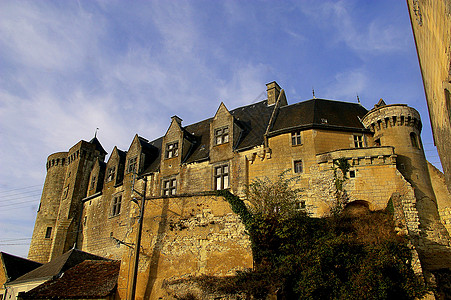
(56, 159)
(360, 156)
(386, 116)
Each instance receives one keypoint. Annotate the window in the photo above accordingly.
(172, 150)
(110, 174)
(221, 176)
(414, 140)
(222, 135)
(298, 166)
(352, 174)
(93, 183)
(296, 138)
(116, 206)
(169, 187)
(65, 192)
(358, 141)
(48, 232)
(300, 205)
(377, 143)
(132, 165)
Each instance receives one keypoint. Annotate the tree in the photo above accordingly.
(338, 257)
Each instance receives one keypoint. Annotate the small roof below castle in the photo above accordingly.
(90, 279)
(99, 147)
(58, 265)
(17, 266)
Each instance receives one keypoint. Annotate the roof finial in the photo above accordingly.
(358, 99)
(95, 134)
(313, 92)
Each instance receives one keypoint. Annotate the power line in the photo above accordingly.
(20, 198)
(21, 188)
(12, 204)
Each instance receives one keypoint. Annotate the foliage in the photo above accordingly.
(339, 257)
(341, 167)
(273, 198)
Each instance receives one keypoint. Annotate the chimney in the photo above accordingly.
(177, 119)
(273, 90)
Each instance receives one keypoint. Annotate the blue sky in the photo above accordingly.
(126, 67)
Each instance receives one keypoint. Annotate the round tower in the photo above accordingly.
(44, 228)
(400, 126)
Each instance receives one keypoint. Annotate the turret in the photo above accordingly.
(399, 126)
(44, 228)
(65, 185)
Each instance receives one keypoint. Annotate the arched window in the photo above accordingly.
(414, 140)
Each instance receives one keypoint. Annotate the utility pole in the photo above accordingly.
(138, 240)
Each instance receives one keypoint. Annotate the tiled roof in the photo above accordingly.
(58, 265)
(99, 147)
(253, 119)
(89, 279)
(17, 266)
(320, 113)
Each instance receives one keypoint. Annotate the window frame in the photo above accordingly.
(221, 135)
(169, 187)
(359, 141)
(111, 174)
(414, 140)
(132, 164)
(116, 206)
(296, 164)
(48, 233)
(296, 138)
(172, 150)
(93, 182)
(223, 176)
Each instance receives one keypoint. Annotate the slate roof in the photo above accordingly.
(253, 119)
(89, 279)
(319, 113)
(99, 147)
(58, 265)
(17, 266)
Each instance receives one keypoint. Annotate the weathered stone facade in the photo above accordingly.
(431, 25)
(188, 231)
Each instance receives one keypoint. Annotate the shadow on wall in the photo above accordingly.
(155, 257)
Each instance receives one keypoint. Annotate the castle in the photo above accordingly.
(93, 205)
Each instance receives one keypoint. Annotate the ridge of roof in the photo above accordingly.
(16, 266)
(88, 279)
(99, 147)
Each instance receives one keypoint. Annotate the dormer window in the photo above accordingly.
(169, 187)
(172, 150)
(296, 138)
(110, 174)
(222, 135)
(131, 167)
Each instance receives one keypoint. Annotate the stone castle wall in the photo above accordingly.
(431, 25)
(182, 237)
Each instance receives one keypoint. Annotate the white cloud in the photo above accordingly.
(372, 36)
(41, 36)
(348, 84)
